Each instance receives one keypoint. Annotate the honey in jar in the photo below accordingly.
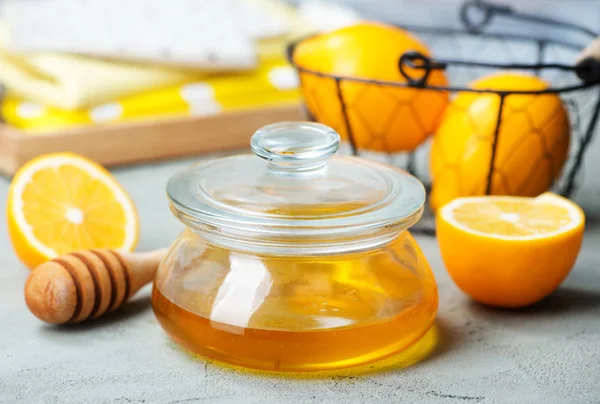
(294, 259)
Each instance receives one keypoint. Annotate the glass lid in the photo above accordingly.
(293, 184)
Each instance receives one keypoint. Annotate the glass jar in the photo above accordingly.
(294, 259)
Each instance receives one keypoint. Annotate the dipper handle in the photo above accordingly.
(87, 284)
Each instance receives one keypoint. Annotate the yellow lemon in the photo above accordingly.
(531, 149)
(62, 202)
(509, 251)
(381, 117)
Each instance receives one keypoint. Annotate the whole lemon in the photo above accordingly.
(381, 117)
(531, 147)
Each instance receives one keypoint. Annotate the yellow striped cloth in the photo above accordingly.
(275, 82)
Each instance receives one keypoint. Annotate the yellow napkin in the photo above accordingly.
(71, 81)
(273, 83)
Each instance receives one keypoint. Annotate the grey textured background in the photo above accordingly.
(549, 353)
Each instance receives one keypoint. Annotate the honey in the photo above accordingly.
(294, 259)
(304, 313)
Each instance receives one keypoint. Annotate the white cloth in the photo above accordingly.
(205, 34)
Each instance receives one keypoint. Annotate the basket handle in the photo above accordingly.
(416, 60)
(486, 12)
(587, 65)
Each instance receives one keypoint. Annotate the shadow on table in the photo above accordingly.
(566, 300)
(562, 301)
(135, 307)
(562, 314)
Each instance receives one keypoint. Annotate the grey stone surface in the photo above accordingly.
(549, 353)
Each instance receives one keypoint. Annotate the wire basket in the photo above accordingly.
(464, 55)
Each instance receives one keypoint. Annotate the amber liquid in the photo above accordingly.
(292, 350)
(295, 313)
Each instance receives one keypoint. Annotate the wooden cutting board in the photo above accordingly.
(120, 144)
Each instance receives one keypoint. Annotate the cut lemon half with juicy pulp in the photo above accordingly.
(510, 251)
(63, 202)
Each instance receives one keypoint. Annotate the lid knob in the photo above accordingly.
(295, 146)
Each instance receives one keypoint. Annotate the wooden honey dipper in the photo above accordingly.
(87, 284)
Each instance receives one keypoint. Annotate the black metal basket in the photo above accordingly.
(577, 85)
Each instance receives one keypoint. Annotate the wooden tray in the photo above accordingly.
(127, 143)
